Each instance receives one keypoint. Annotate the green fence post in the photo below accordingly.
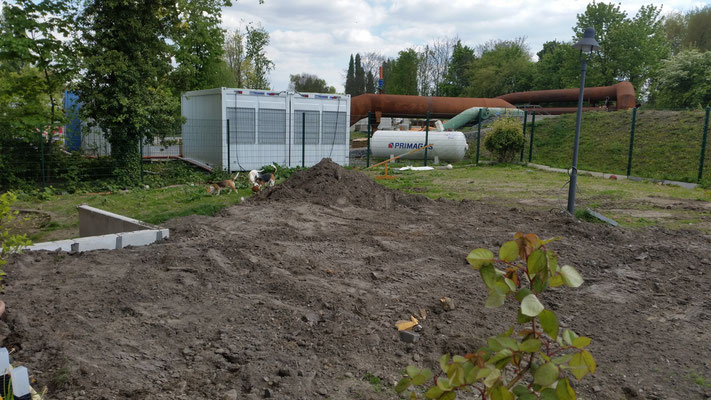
(703, 143)
(229, 163)
(478, 137)
(525, 119)
(303, 140)
(427, 135)
(140, 150)
(629, 154)
(533, 128)
(367, 156)
(44, 178)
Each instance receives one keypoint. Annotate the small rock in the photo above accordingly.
(447, 303)
(417, 328)
(282, 372)
(349, 375)
(372, 340)
(409, 336)
(657, 287)
(597, 389)
(267, 393)
(374, 276)
(311, 318)
(231, 394)
(642, 256)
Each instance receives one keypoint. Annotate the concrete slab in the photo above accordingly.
(94, 221)
(139, 238)
(62, 245)
(103, 242)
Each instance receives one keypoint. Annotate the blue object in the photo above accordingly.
(380, 83)
(72, 134)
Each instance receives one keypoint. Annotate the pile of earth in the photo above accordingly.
(295, 295)
(329, 184)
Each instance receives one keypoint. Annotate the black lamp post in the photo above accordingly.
(586, 45)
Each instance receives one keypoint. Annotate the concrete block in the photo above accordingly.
(94, 221)
(139, 238)
(63, 245)
(103, 242)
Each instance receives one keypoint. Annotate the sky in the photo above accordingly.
(318, 36)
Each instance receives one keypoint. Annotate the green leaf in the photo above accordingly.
(556, 281)
(459, 359)
(549, 322)
(488, 275)
(444, 362)
(523, 319)
(563, 391)
(523, 292)
(412, 371)
(546, 374)
(449, 396)
(501, 393)
(419, 380)
(531, 306)
(502, 287)
(589, 361)
(495, 299)
(530, 345)
(443, 383)
(569, 336)
(509, 251)
(577, 366)
(511, 284)
(434, 393)
(571, 277)
(491, 379)
(581, 342)
(540, 282)
(479, 257)
(502, 354)
(562, 359)
(427, 373)
(484, 372)
(520, 390)
(536, 262)
(402, 385)
(548, 394)
(552, 262)
(508, 343)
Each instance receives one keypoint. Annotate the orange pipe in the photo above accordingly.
(622, 92)
(394, 105)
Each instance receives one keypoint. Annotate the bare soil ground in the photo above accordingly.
(294, 295)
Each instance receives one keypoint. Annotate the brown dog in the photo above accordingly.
(226, 184)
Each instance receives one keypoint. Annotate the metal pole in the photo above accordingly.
(576, 142)
(367, 157)
(533, 127)
(478, 137)
(629, 153)
(229, 161)
(140, 148)
(525, 119)
(427, 135)
(303, 140)
(44, 178)
(703, 143)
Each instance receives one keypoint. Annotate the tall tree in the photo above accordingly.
(310, 83)
(403, 75)
(425, 71)
(36, 52)
(255, 48)
(558, 66)
(455, 79)
(698, 33)
(198, 45)
(359, 81)
(125, 89)
(350, 78)
(370, 83)
(504, 66)
(684, 80)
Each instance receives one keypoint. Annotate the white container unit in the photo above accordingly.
(265, 128)
(447, 146)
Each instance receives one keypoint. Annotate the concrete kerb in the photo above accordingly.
(619, 177)
(109, 231)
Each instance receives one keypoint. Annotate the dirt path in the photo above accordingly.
(293, 295)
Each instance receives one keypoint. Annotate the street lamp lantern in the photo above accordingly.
(586, 45)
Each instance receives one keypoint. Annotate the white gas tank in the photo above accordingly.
(448, 146)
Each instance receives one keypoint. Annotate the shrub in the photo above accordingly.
(530, 363)
(505, 140)
(8, 243)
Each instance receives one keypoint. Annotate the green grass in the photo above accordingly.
(374, 381)
(153, 206)
(667, 144)
(700, 380)
(632, 204)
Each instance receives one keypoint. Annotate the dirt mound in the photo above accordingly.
(329, 184)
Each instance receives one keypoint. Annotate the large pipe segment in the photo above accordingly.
(622, 93)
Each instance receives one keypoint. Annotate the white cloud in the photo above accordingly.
(318, 36)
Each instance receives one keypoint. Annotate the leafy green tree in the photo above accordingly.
(236, 59)
(683, 80)
(198, 45)
(698, 32)
(310, 83)
(34, 38)
(403, 75)
(631, 48)
(558, 67)
(256, 42)
(675, 26)
(359, 81)
(370, 82)
(456, 79)
(125, 88)
(350, 77)
(504, 66)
